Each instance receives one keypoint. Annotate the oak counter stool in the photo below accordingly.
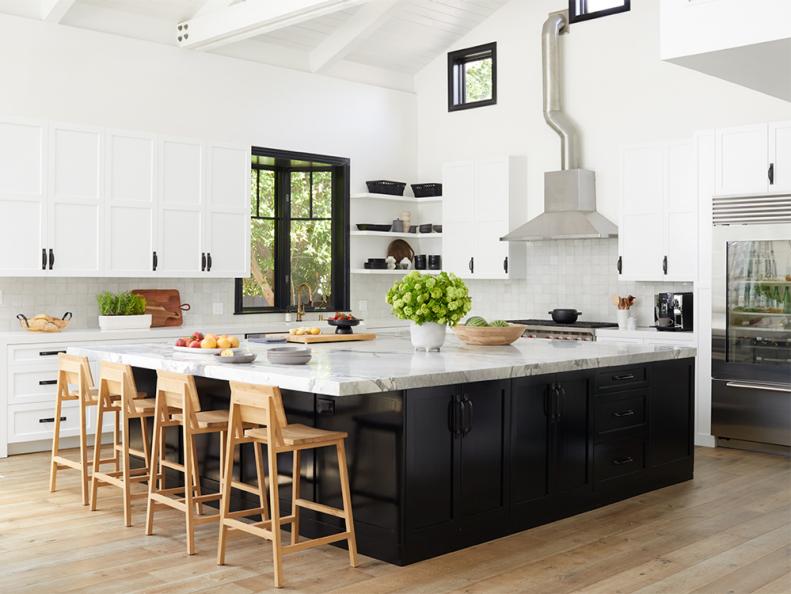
(118, 394)
(262, 407)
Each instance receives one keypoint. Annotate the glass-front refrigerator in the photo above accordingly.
(751, 333)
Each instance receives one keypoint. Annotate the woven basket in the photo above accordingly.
(44, 323)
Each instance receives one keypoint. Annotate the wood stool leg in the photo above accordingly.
(116, 442)
(189, 478)
(347, 502)
(53, 471)
(155, 467)
(225, 502)
(161, 454)
(144, 436)
(295, 482)
(196, 476)
(125, 465)
(97, 452)
(84, 451)
(262, 494)
(274, 506)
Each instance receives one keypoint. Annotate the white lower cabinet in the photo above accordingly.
(35, 422)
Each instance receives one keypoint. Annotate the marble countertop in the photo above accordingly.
(389, 362)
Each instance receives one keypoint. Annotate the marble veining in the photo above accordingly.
(389, 362)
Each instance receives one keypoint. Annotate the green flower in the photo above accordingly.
(422, 298)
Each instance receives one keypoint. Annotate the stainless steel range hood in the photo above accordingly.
(569, 194)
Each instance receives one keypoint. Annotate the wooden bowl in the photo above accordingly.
(489, 336)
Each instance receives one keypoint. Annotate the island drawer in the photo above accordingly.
(616, 458)
(615, 412)
(621, 378)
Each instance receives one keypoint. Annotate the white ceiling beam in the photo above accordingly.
(365, 21)
(252, 18)
(53, 11)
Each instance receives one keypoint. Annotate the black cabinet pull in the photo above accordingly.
(619, 265)
(208, 261)
(43, 259)
(623, 378)
(51, 258)
(454, 415)
(50, 420)
(505, 264)
(771, 174)
(155, 262)
(47, 382)
(325, 407)
(623, 413)
(49, 353)
(466, 415)
(664, 264)
(203, 261)
(471, 265)
(622, 461)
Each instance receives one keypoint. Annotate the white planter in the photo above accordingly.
(623, 318)
(125, 322)
(427, 337)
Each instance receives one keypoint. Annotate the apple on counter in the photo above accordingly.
(198, 340)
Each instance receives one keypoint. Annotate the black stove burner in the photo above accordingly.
(550, 323)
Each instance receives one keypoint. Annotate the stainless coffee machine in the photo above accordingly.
(673, 312)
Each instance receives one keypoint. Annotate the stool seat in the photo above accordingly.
(139, 405)
(296, 434)
(208, 419)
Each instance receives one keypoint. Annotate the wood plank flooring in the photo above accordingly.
(727, 531)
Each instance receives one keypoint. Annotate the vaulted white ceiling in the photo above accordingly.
(382, 42)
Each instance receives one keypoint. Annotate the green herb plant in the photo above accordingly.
(422, 298)
(121, 304)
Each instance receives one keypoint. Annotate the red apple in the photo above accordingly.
(195, 344)
(197, 336)
(182, 342)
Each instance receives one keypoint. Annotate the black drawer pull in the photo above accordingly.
(49, 353)
(50, 420)
(47, 382)
(623, 413)
(624, 377)
(622, 461)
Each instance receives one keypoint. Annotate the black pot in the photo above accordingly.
(565, 316)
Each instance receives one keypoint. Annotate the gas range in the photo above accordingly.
(549, 329)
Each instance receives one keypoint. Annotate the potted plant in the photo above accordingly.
(430, 303)
(122, 311)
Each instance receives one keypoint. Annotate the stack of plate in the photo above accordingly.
(288, 355)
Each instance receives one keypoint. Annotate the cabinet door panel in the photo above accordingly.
(681, 213)
(529, 440)
(228, 243)
(76, 163)
(458, 247)
(742, 160)
(429, 457)
(482, 448)
(670, 416)
(229, 178)
(21, 236)
(22, 147)
(180, 242)
(458, 190)
(182, 173)
(491, 191)
(131, 168)
(572, 438)
(780, 155)
(74, 238)
(132, 241)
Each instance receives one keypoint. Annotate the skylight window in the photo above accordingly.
(472, 77)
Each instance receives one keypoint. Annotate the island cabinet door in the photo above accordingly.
(572, 436)
(529, 444)
(670, 412)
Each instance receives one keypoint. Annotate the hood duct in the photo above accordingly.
(569, 194)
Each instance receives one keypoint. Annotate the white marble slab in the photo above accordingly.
(389, 362)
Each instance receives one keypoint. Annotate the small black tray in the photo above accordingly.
(371, 227)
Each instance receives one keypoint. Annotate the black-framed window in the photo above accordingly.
(299, 233)
(585, 10)
(472, 77)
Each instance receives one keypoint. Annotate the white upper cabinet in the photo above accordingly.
(22, 197)
(482, 201)
(82, 201)
(132, 182)
(657, 235)
(754, 159)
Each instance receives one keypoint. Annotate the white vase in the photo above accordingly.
(125, 322)
(623, 319)
(427, 337)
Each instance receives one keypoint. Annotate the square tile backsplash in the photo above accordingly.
(571, 273)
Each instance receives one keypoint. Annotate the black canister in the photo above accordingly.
(435, 262)
(420, 262)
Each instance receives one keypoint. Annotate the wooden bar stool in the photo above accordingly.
(117, 379)
(263, 406)
(178, 405)
(75, 372)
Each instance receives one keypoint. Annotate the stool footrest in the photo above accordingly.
(316, 542)
(245, 487)
(320, 507)
(243, 513)
(253, 529)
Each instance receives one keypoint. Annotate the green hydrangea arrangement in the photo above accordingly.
(422, 298)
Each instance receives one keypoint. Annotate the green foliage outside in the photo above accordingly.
(422, 298)
(311, 240)
(478, 80)
(121, 304)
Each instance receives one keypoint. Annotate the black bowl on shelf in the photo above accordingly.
(412, 229)
(426, 228)
(372, 227)
(437, 228)
(343, 326)
(377, 263)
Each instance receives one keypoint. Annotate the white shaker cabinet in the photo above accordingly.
(482, 201)
(23, 205)
(742, 160)
(780, 156)
(657, 234)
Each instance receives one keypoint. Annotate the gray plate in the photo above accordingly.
(238, 358)
(288, 355)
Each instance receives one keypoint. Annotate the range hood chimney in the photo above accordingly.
(569, 194)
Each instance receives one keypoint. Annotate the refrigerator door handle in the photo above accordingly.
(770, 387)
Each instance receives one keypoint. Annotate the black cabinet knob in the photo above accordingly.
(208, 261)
(203, 262)
(51, 258)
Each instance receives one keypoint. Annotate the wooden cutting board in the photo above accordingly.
(164, 305)
(318, 338)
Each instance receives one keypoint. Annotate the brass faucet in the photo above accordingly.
(300, 305)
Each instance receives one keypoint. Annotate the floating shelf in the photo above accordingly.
(392, 272)
(391, 234)
(369, 196)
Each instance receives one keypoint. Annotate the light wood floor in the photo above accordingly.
(729, 530)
